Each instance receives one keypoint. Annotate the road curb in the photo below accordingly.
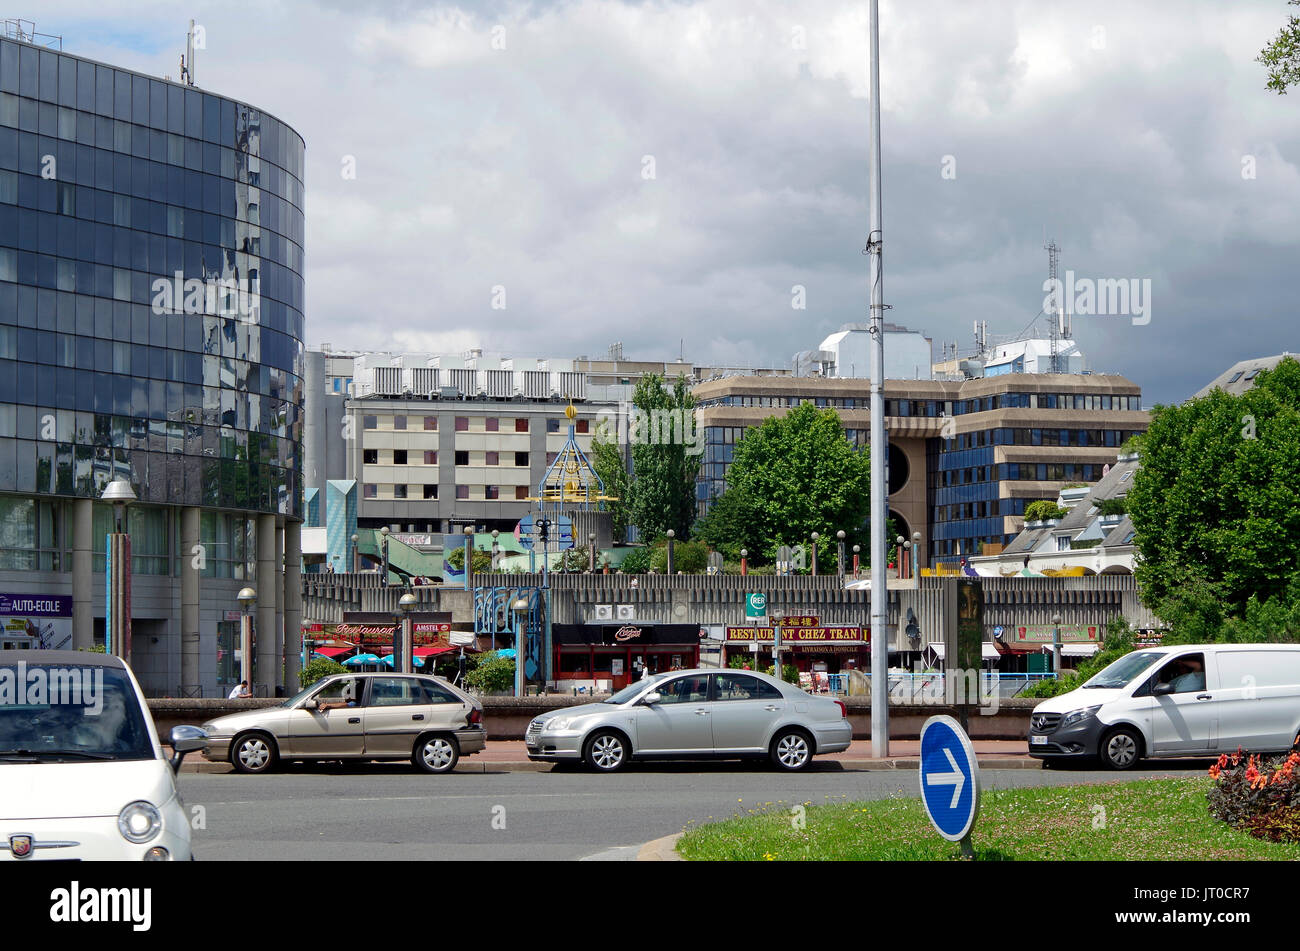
(661, 850)
(511, 766)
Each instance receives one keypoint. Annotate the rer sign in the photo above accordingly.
(950, 778)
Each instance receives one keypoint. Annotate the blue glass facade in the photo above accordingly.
(118, 190)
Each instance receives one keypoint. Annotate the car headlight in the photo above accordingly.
(211, 729)
(558, 724)
(139, 822)
(1075, 716)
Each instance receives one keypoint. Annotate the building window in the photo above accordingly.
(369, 422)
(399, 457)
(430, 457)
(492, 459)
(369, 491)
(552, 425)
(399, 491)
(581, 425)
(551, 457)
(399, 422)
(462, 424)
(462, 491)
(521, 492)
(492, 424)
(430, 423)
(521, 425)
(491, 492)
(521, 459)
(370, 457)
(430, 491)
(462, 457)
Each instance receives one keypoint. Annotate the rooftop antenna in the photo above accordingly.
(1056, 306)
(187, 61)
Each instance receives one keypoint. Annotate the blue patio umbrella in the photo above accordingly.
(360, 660)
(508, 653)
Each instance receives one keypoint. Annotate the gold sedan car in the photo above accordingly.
(355, 717)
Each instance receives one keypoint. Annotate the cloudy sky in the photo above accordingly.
(663, 174)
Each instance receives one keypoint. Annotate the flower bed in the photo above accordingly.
(1258, 797)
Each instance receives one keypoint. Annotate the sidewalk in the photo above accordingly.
(511, 756)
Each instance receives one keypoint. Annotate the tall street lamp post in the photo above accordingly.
(117, 583)
(916, 556)
(839, 536)
(383, 548)
(520, 608)
(591, 544)
(354, 556)
(247, 599)
(1056, 645)
(402, 646)
(469, 557)
(671, 535)
(856, 550)
(898, 556)
(815, 536)
(744, 561)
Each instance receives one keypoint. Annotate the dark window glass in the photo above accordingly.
(462, 457)
(399, 457)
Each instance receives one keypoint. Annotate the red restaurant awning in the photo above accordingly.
(332, 652)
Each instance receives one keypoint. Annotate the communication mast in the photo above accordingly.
(1055, 307)
(187, 61)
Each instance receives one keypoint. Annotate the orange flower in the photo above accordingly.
(1214, 771)
(1236, 757)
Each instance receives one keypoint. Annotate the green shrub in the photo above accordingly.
(493, 672)
(1117, 641)
(689, 557)
(1044, 510)
(319, 668)
(636, 562)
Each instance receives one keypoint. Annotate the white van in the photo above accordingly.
(1191, 700)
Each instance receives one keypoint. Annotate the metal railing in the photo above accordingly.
(930, 687)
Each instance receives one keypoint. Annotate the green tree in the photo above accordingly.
(795, 475)
(665, 457)
(607, 460)
(731, 524)
(1282, 56)
(493, 672)
(688, 557)
(1216, 502)
(480, 560)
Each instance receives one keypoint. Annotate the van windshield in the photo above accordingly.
(70, 713)
(1124, 671)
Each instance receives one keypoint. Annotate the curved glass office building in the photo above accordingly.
(151, 328)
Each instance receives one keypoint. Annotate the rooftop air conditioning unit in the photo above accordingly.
(604, 612)
(625, 612)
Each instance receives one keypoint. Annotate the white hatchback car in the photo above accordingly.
(82, 774)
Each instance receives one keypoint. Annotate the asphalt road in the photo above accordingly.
(389, 811)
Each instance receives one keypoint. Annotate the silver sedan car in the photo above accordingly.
(355, 717)
(686, 714)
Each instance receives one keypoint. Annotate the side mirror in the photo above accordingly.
(1162, 690)
(185, 739)
(651, 698)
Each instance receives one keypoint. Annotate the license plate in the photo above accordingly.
(1038, 741)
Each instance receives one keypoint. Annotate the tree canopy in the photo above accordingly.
(665, 458)
(792, 476)
(1282, 56)
(1216, 502)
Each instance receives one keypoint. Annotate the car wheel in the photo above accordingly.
(436, 754)
(1121, 749)
(253, 753)
(791, 750)
(606, 751)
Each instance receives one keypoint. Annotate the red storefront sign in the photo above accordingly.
(795, 635)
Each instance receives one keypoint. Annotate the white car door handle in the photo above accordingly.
(701, 713)
(771, 708)
(1204, 696)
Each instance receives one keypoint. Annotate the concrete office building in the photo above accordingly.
(964, 457)
(151, 298)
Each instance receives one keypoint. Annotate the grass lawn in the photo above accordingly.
(1150, 820)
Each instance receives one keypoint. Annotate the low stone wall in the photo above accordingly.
(506, 718)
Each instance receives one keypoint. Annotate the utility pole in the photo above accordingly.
(879, 499)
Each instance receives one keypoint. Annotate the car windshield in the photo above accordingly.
(303, 694)
(631, 690)
(1124, 671)
(70, 713)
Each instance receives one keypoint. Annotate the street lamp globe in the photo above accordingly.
(247, 597)
(744, 553)
(406, 603)
(671, 533)
(840, 534)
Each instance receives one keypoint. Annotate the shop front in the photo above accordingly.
(1028, 648)
(372, 633)
(618, 654)
(812, 648)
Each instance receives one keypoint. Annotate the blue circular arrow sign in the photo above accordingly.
(950, 777)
